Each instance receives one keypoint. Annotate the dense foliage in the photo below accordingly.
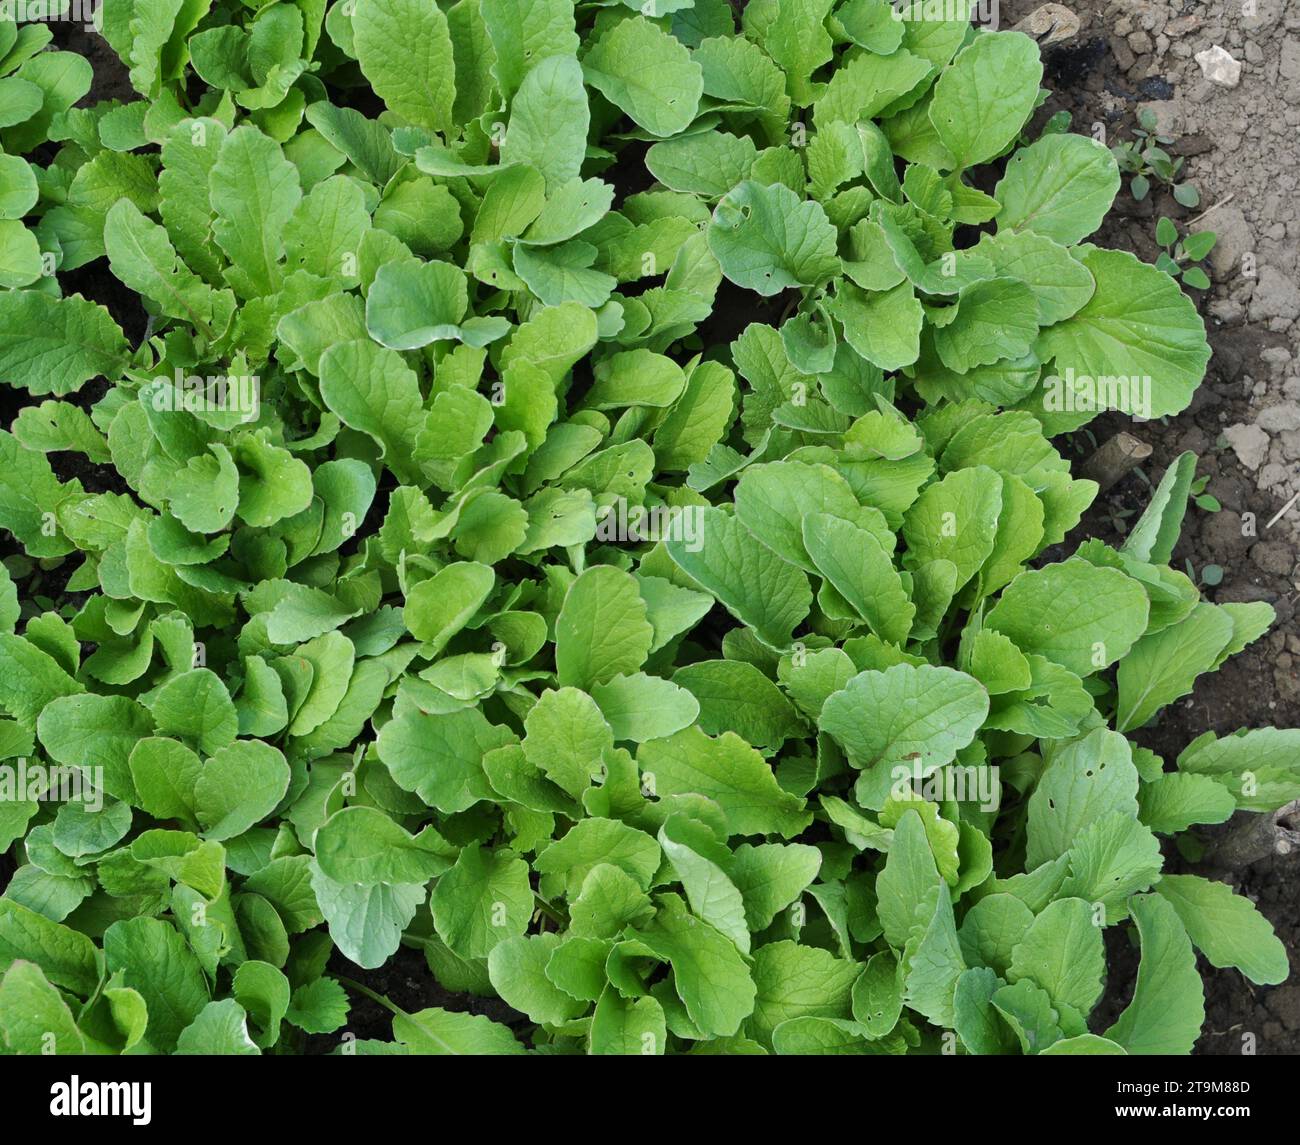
(578, 508)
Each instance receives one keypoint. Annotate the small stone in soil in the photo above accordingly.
(1235, 238)
(1279, 419)
(1168, 112)
(1273, 474)
(1219, 67)
(1249, 443)
(1276, 296)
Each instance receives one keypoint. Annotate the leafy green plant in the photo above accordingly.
(1144, 158)
(1204, 500)
(1179, 253)
(1212, 575)
(586, 524)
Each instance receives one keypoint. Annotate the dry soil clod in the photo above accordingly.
(1051, 24)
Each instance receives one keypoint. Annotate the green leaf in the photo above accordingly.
(437, 608)
(548, 121)
(155, 961)
(1138, 326)
(771, 877)
(419, 82)
(566, 863)
(566, 738)
(1257, 767)
(263, 991)
(1168, 1006)
(906, 717)
(34, 1019)
(54, 345)
(1176, 800)
(440, 757)
(707, 164)
(602, 630)
(976, 1018)
(646, 73)
(524, 31)
(736, 696)
(1226, 927)
(908, 879)
(1059, 187)
(638, 707)
(855, 563)
(878, 995)
(627, 1026)
(482, 901)
(1156, 533)
(517, 968)
(1111, 858)
(366, 922)
(766, 239)
(795, 37)
(1101, 614)
(388, 406)
(755, 585)
(1061, 952)
(1164, 665)
(254, 192)
(238, 787)
(1082, 782)
(728, 771)
(440, 1033)
(78, 729)
(795, 981)
(983, 100)
(20, 255)
(709, 974)
(994, 320)
(412, 304)
(363, 845)
(221, 1029)
(701, 863)
(319, 1007)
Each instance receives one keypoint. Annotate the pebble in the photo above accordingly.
(1235, 239)
(1279, 419)
(1289, 69)
(1273, 474)
(1168, 112)
(1276, 296)
(1249, 443)
(1227, 310)
(1219, 67)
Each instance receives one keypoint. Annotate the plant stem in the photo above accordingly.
(550, 912)
(365, 991)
